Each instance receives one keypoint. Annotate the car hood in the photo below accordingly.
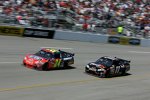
(96, 65)
(36, 58)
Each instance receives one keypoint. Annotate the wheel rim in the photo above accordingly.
(86, 70)
(101, 75)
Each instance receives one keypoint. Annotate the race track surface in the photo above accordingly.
(20, 83)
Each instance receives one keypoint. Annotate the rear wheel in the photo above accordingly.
(66, 65)
(123, 72)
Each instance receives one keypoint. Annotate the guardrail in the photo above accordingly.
(80, 36)
(27, 31)
(145, 42)
(11, 30)
(90, 37)
(39, 32)
(124, 40)
(71, 35)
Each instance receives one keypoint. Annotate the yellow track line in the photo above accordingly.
(46, 85)
(67, 82)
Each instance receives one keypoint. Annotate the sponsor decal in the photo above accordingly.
(34, 32)
(113, 39)
(52, 50)
(124, 41)
(57, 63)
(40, 33)
(11, 30)
(45, 33)
(134, 41)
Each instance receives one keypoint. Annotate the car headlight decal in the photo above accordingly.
(87, 66)
(25, 58)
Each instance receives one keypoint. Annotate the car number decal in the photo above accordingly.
(112, 69)
(57, 62)
(117, 69)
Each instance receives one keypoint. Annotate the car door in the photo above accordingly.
(54, 61)
(117, 67)
(57, 59)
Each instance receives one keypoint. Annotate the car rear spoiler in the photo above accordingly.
(126, 61)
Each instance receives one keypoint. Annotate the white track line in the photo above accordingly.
(138, 52)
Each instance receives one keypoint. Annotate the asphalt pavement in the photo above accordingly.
(20, 83)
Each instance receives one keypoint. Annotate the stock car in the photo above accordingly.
(108, 67)
(49, 58)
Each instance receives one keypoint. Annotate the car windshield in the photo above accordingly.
(44, 54)
(104, 61)
(57, 55)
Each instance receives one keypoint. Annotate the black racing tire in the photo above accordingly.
(107, 74)
(66, 65)
(101, 74)
(123, 73)
(86, 70)
(45, 67)
(23, 63)
(35, 67)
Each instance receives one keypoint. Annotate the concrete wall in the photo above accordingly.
(89, 37)
(80, 36)
(145, 42)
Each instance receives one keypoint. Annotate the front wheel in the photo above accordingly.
(86, 70)
(101, 74)
(45, 67)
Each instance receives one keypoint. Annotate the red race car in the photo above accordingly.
(48, 58)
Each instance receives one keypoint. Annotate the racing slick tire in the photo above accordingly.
(45, 67)
(107, 74)
(66, 65)
(24, 63)
(86, 70)
(101, 74)
(123, 72)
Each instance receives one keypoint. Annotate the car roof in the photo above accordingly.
(112, 58)
(108, 57)
(50, 50)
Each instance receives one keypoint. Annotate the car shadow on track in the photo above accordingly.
(57, 69)
(54, 69)
(91, 74)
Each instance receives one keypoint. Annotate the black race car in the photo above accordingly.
(107, 67)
